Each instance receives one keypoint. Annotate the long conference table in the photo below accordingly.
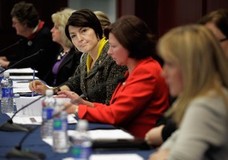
(34, 142)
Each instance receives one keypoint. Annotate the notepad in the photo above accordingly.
(116, 157)
(37, 120)
(130, 156)
(21, 70)
(23, 77)
(105, 134)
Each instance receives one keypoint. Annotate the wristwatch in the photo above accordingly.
(56, 90)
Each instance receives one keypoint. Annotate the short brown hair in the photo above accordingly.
(26, 13)
(134, 35)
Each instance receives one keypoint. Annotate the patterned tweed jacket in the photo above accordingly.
(98, 84)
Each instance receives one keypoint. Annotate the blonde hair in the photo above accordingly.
(201, 60)
(103, 18)
(60, 19)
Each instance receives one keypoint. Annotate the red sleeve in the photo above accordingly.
(129, 100)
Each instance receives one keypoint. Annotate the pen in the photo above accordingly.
(33, 78)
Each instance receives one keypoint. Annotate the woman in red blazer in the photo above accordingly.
(142, 96)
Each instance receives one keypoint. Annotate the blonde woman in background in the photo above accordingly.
(196, 71)
(69, 57)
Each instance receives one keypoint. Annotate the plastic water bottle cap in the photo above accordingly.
(6, 74)
(82, 124)
(49, 92)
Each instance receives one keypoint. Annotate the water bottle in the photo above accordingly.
(82, 144)
(48, 104)
(60, 125)
(1, 73)
(7, 105)
(1, 77)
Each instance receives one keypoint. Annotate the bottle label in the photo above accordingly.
(81, 152)
(57, 125)
(60, 124)
(7, 92)
(47, 113)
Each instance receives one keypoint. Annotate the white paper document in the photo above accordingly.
(37, 120)
(105, 134)
(130, 156)
(34, 120)
(21, 86)
(23, 77)
(21, 70)
(35, 109)
(115, 157)
(32, 113)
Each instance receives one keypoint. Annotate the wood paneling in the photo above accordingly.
(162, 15)
(216, 4)
(177, 12)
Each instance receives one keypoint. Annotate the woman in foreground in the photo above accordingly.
(196, 71)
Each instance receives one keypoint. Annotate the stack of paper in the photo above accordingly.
(105, 134)
(22, 73)
(130, 156)
(37, 120)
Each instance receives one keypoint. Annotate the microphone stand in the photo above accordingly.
(14, 44)
(23, 59)
(10, 126)
(17, 151)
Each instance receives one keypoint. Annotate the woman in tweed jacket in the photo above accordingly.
(99, 83)
(97, 74)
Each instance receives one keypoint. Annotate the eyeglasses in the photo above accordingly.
(223, 39)
(15, 22)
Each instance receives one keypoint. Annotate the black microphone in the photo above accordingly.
(12, 45)
(12, 127)
(22, 60)
(17, 151)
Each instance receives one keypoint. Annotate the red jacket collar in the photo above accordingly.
(39, 27)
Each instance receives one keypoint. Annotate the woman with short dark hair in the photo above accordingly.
(142, 96)
(97, 74)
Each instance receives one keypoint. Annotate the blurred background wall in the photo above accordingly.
(160, 15)
(107, 6)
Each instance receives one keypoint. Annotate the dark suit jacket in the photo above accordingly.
(42, 62)
(67, 66)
